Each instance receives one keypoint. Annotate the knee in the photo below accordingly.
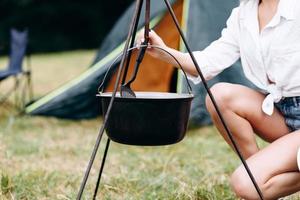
(222, 93)
(243, 186)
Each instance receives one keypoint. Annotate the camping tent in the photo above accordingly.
(202, 21)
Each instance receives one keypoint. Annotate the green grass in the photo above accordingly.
(45, 158)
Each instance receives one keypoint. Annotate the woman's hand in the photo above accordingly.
(154, 40)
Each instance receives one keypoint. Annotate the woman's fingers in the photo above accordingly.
(154, 39)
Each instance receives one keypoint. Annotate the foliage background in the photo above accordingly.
(57, 25)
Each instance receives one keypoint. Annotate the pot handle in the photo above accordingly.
(101, 86)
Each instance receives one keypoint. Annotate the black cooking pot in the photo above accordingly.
(149, 119)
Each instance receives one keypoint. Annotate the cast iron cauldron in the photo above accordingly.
(152, 118)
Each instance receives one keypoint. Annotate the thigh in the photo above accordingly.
(247, 103)
(275, 167)
(277, 158)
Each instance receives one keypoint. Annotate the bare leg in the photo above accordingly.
(275, 169)
(241, 109)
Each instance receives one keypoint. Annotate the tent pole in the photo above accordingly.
(101, 131)
(236, 148)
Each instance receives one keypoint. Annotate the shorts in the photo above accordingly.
(290, 109)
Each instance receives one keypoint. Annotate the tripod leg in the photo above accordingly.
(213, 99)
(128, 58)
(87, 173)
(101, 169)
(98, 140)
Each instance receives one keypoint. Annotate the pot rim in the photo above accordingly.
(151, 95)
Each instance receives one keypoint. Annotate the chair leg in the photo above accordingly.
(27, 91)
(30, 87)
(29, 80)
(5, 97)
(17, 95)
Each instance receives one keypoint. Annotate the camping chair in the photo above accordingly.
(18, 44)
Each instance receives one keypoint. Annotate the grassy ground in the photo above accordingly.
(45, 158)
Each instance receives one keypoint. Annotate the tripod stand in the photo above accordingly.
(123, 70)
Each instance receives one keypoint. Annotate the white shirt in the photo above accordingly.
(270, 58)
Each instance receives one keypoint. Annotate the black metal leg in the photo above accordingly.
(213, 99)
(128, 58)
(98, 140)
(87, 173)
(101, 169)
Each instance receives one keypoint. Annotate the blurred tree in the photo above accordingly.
(60, 25)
